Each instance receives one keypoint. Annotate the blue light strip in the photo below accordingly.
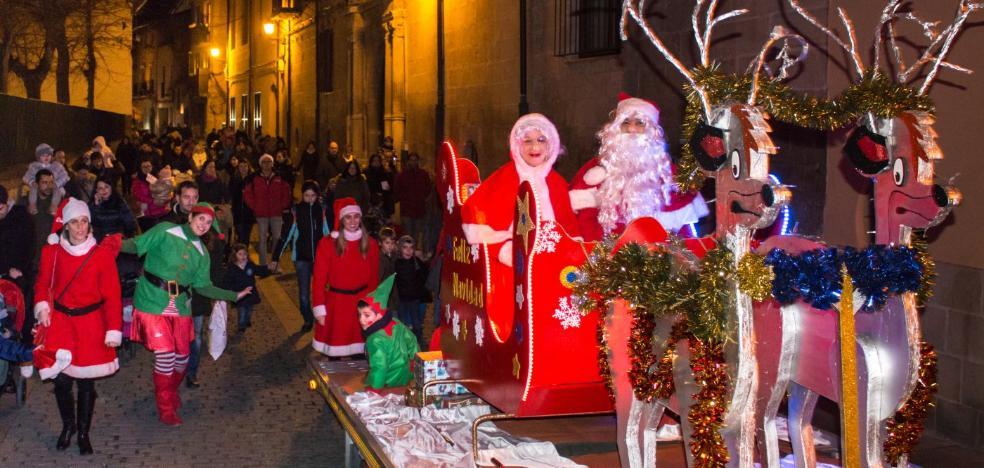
(787, 214)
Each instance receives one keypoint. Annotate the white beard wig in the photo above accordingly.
(639, 176)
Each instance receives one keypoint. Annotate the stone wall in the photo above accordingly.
(954, 323)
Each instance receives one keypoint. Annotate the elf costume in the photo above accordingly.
(390, 345)
(175, 262)
(340, 279)
(78, 290)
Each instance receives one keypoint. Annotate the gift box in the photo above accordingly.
(429, 366)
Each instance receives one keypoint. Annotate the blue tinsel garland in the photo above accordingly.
(814, 276)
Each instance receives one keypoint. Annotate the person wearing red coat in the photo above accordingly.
(80, 315)
(487, 215)
(346, 268)
(268, 195)
(632, 177)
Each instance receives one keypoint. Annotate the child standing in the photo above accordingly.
(387, 261)
(45, 160)
(411, 275)
(390, 346)
(241, 271)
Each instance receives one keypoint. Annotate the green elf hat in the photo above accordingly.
(379, 298)
(207, 208)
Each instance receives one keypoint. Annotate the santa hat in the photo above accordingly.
(207, 208)
(378, 299)
(69, 209)
(628, 105)
(345, 206)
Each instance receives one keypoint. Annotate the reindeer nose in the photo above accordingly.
(946, 196)
(772, 194)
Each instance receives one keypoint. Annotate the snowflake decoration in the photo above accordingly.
(479, 331)
(567, 313)
(450, 198)
(456, 325)
(519, 296)
(474, 253)
(547, 239)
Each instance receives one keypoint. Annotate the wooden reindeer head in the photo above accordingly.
(899, 152)
(731, 143)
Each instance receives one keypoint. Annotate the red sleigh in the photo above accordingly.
(514, 335)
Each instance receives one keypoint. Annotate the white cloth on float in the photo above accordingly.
(431, 437)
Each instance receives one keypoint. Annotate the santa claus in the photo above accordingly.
(80, 316)
(632, 177)
(487, 215)
(346, 267)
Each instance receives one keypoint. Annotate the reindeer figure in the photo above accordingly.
(732, 145)
(798, 344)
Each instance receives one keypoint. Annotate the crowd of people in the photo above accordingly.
(139, 243)
(163, 228)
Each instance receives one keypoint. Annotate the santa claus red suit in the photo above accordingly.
(79, 309)
(632, 177)
(346, 268)
(487, 216)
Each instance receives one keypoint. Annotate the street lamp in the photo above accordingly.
(215, 52)
(269, 28)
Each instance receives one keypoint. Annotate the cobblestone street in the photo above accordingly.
(253, 408)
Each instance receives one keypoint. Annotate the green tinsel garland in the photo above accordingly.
(875, 93)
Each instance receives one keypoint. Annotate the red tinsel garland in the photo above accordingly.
(706, 415)
(906, 427)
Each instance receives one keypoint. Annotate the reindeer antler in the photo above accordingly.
(785, 57)
(851, 46)
(704, 40)
(963, 11)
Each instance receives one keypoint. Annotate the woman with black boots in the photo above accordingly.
(80, 317)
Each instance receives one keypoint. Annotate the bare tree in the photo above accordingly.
(98, 27)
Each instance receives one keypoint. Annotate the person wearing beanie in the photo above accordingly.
(390, 346)
(44, 159)
(632, 177)
(346, 266)
(307, 227)
(79, 312)
(175, 260)
(268, 195)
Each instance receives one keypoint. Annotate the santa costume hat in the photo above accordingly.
(344, 206)
(69, 209)
(378, 300)
(628, 105)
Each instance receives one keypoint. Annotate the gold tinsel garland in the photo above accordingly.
(928, 265)
(906, 427)
(604, 354)
(875, 93)
(706, 415)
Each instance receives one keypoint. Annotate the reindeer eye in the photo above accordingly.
(735, 163)
(898, 171)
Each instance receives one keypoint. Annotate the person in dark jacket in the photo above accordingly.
(243, 271)
(352, 184)
(380, 182)
(411, 276)
(310, 159)
(283, 168)
(307, 226)
(110, 213)
(242, 216)
(413, 185)
(201, 306)
(17, 239)
(211, 187)
(185, 198)
(332, 165)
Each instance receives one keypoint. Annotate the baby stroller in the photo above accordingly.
(12, 315)
(130, 268)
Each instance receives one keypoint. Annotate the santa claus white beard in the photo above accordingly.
(638, 181)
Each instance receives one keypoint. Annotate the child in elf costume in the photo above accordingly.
(390, 345)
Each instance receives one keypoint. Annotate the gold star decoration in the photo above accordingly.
(525, 224)
(516, 366)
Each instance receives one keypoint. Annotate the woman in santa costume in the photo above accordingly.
(175, 261)
(487, 215)
(632, 177)
(346, 267)
(80, 315)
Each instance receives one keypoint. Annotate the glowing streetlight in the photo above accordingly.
(269, 28)
(215, 52)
